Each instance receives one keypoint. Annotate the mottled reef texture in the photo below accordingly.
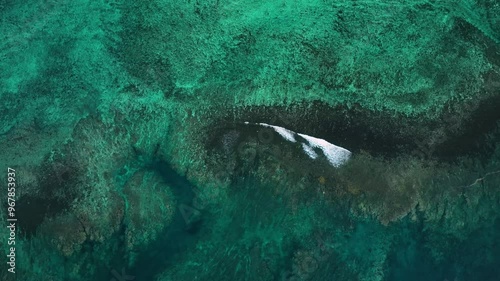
(125, 123)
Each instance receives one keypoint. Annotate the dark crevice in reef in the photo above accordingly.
(453, 134)
(178, 237)
(473, 136)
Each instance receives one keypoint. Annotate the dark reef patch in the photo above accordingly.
(58, 187)
(473, 136)
(455, 133)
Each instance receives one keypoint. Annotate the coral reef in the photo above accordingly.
(153, 139)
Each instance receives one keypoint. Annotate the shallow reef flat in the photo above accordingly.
(251, 140)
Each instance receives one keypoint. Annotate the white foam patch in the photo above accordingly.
(309, 151)
(336, 155)
(285, 133)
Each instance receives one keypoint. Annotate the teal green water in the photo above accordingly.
(206, 140)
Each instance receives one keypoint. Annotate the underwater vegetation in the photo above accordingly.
(251, 140)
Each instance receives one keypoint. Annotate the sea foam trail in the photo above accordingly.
(336, 155)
